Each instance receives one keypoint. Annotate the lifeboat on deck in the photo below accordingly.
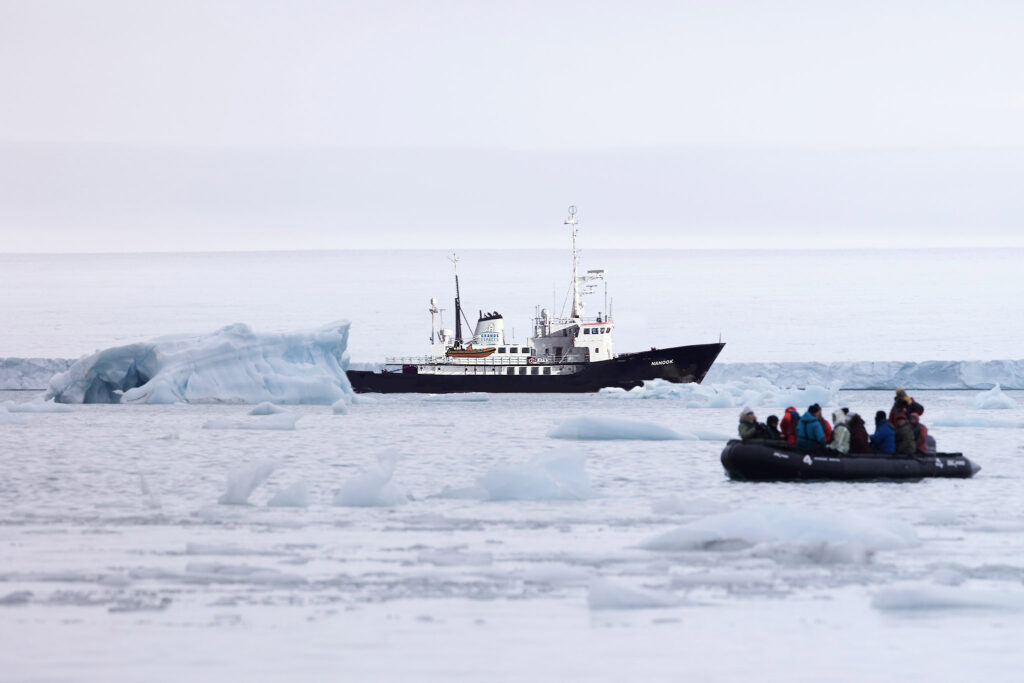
(470, 352)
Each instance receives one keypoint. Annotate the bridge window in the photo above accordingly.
(586, 330)
(513, 350)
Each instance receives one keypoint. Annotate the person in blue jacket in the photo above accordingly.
(884, 438)
(809, 434)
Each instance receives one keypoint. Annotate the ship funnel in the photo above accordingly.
(490, 329)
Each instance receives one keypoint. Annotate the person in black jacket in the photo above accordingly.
(772, 425)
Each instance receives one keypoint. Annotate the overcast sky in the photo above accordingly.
(256, 125)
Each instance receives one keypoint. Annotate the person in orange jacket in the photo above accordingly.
(788, 424)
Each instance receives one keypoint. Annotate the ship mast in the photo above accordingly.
(458, 304)
(571, 221)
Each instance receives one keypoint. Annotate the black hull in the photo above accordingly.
(747, 461)
(678, 364)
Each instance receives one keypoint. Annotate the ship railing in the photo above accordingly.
(572, 321)
(489, 361)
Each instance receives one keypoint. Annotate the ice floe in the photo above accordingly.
(845, 534)
(544, 477)
(266, 408)
(243, 480)
(940, 597)
(607, 594)
(234, 365)
(373, 487)
(38, 405)
(340, 407)
(993, 399)
(754, 392)
(586, 428)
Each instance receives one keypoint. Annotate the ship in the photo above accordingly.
(571, 353)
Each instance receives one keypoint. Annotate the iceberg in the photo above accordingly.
(26, 374)
(232, 365)
(244, 479)
(993, 399)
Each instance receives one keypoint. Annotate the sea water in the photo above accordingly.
(186, 542)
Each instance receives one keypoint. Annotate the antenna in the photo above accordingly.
(434, 310)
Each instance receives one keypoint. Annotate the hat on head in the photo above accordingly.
(747, 410)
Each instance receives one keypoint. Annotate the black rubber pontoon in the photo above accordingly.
(763, 461)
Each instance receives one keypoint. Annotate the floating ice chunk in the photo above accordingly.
(775, 524)
(340, 407)
(294, 496)
(38, 405)
(952, 420)
(473, 397)
(278, 421)
(373, 487)
(544, 477)
(752, 391)
(233, 365)
(585, 428)
(6, 418)
(607, 594)
(453, 558)
(686, 506)
(993, 399)
(927, 596)
(266, 408)
(362, 399)
(244, 479)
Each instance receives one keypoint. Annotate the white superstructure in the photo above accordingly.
(559, 345)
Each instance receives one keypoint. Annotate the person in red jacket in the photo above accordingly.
(788, 424)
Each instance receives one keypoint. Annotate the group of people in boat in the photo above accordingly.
(900, 433)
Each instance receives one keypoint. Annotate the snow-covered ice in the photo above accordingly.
(544, 477)
(586, 428)
(266, 408)
(104, 520)
(993, 399)
(232, 365)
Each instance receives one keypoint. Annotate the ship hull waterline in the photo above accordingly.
(678, 364)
